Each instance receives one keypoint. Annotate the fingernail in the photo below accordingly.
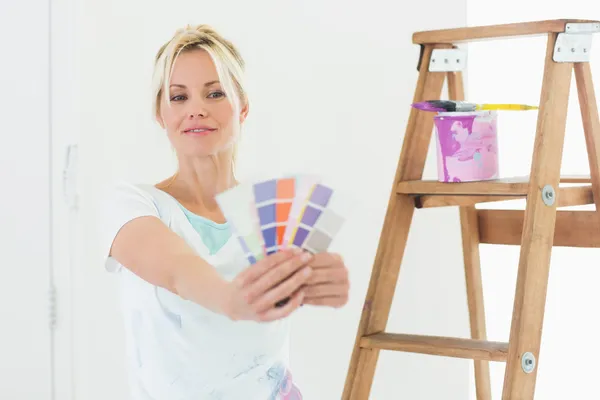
(306, 257)
(307, 271)
(296, 250)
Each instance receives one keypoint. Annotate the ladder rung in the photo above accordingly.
(575, 179)
(438, 346)
(572, 228)
(567, 196)
(508, 187)
(458, 35)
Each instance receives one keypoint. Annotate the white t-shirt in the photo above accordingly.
(178, 350)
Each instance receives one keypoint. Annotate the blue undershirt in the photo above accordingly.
(213, 234)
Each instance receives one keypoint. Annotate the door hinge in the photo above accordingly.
(52, 307)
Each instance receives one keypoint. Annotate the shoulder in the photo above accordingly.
(124, 194)
(123, 189)
(122, 201)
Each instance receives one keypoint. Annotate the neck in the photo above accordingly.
(199, 180)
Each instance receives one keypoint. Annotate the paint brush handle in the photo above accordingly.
(510, 107)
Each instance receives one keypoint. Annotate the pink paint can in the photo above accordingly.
(467, 146)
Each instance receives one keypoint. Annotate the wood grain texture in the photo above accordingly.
(438, 346)
(573, 228)
(538, 228)
(475, 298)
(566, 197)
(504, 186)
(466, 34)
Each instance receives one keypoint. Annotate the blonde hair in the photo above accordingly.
(225, 56)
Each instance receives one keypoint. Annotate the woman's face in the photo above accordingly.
(200, 121)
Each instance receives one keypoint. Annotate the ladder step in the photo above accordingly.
(458, 35)
(438, 346)
(517, 186)
(572, 228)
(567, 196)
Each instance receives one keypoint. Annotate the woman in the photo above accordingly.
(200, 322)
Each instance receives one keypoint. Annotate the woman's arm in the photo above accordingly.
(148, 248)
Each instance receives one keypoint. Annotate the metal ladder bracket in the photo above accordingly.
(448, 60)
(575, 43)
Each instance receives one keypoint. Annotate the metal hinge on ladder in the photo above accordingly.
(448, 60)
(575, 43)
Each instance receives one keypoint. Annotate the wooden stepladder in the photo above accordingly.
(537, 228)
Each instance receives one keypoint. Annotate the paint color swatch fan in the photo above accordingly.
(276, 214)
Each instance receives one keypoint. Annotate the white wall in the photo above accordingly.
(25, 240)
(511, 71)
(326, 82)
(331, 84)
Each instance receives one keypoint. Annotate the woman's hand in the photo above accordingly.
(329, 284)
(252, 295)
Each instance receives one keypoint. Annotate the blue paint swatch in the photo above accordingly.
(266, 214)
(270, 236)
(265, 191)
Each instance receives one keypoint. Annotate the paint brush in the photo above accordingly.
(463, 106)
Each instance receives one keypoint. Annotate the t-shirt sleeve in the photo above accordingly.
(122, 203)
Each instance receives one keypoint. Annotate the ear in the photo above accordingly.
(244, 112)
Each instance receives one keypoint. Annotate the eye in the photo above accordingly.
(217, 94)
(178, 98)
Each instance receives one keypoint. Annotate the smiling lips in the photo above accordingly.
(199, 131)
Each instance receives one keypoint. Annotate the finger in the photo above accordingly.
(329, 301)
(326, 290)
(255, 271)
(323, 260)
(324, 275)
(276, 275)
(275, 313)
(283, 290)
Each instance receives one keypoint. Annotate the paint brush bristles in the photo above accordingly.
(463, 106)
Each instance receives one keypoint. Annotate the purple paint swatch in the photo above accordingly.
(252, 259)
(264, 191)
(310, 215)
(266, 214)
(321, 195)
(300, 237)
(270, 236)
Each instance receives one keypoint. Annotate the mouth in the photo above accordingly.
(198, 131)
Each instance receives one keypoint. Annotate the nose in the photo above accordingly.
(200, 114)
(197, 109)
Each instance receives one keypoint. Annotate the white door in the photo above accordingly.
(25, 226)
